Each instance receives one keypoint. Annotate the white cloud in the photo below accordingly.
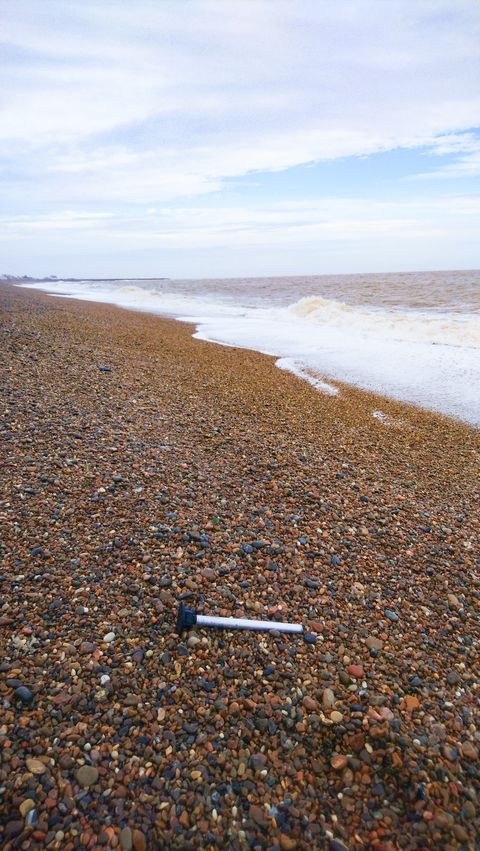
(465, 147)
(338, 231)
(106, 105)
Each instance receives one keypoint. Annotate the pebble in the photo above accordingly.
(328, 698)
(374, 643)
(356, 671)
(109, 637)
(469, 750)
(287, 843)
(86, 775)
(35, 766)
(139, 840)
(24, 694)
(208, 573)
(26, 806)
(392, 616)
(126, 839)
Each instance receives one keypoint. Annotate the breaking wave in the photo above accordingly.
(452, 330)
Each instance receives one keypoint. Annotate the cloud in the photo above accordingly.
(342, 228)
(109, 106)
(464, 147)
(346, 78)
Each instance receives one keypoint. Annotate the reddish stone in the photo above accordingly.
(356, 671)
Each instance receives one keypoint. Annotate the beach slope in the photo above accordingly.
(141, 467)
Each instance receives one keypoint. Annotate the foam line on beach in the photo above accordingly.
(290, 365)
(409, 355)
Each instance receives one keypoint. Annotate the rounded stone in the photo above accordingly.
(126, 840)
(35, 766)
(26, 806)
(392, 616)
(23, 694)
(328, 698)
(374, 643)
(356, 671)
(87, 775)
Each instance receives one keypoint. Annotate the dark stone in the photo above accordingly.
(392, 616)
(13, 828)
(23, 694)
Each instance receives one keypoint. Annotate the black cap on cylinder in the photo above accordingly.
(186, 618)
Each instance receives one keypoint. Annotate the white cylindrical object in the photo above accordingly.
(244, 623)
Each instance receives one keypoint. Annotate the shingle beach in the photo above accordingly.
(141, 467)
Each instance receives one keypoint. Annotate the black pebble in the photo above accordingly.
(23, 694)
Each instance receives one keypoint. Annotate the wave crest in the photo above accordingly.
(413, 327)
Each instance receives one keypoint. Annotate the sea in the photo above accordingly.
(413, 336)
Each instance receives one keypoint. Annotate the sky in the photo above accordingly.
(224, 138)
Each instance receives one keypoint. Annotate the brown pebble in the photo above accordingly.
(139, 841)
(356, 671)
(183, 819)
(87, 775)
(287, 843)
(328, 698)
(35, 766)
(374, 643)
(469, 750)
(460, 833)
(208, 573)
(26, 806)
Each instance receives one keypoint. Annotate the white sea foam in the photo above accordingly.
(418, 327)
(302, 371)
(426, 356)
